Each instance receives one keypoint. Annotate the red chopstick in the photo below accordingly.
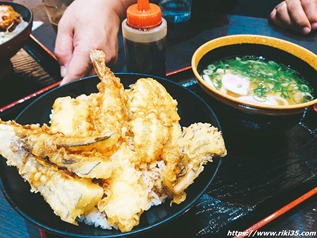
(276, 214)
(178, 71)
(43, 47)
(42, 233)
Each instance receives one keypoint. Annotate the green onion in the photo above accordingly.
(269, 77)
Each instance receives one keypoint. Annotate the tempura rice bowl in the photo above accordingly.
(34, 209)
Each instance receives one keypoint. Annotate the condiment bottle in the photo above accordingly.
(144, 34)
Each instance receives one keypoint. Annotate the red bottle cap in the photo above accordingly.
(144, 15)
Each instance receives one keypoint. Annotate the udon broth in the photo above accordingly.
(255, 80)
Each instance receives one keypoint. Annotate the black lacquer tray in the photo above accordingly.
(259, 175)
(31, 72)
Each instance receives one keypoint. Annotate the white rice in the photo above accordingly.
(97, 219)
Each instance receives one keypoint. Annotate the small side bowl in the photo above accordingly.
(12, 46)
(251, 118)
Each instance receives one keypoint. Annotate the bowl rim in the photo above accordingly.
(304, 54)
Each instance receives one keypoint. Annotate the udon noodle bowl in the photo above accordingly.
(256, 80)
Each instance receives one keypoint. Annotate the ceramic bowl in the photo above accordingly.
(11, 47)
(253, 118)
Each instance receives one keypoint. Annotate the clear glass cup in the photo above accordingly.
(176, 11)
(55, 10)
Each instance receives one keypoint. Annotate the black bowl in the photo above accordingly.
(252, 118)
(12, 46)
(33, 208)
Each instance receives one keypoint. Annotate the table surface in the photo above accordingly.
(248, 201)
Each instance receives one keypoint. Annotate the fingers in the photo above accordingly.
(63, 50)
(310, 8)
(295, 15)
(298, 16)
(78, 67)
(72, 50)
(279, 15)
(64, 43)
(76, 36)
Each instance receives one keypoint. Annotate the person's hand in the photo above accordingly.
(296, 15)
(87, 25)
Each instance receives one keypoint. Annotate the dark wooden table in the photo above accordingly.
(253, 182)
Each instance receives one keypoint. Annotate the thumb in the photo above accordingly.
(63, 50)
(78, 67)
